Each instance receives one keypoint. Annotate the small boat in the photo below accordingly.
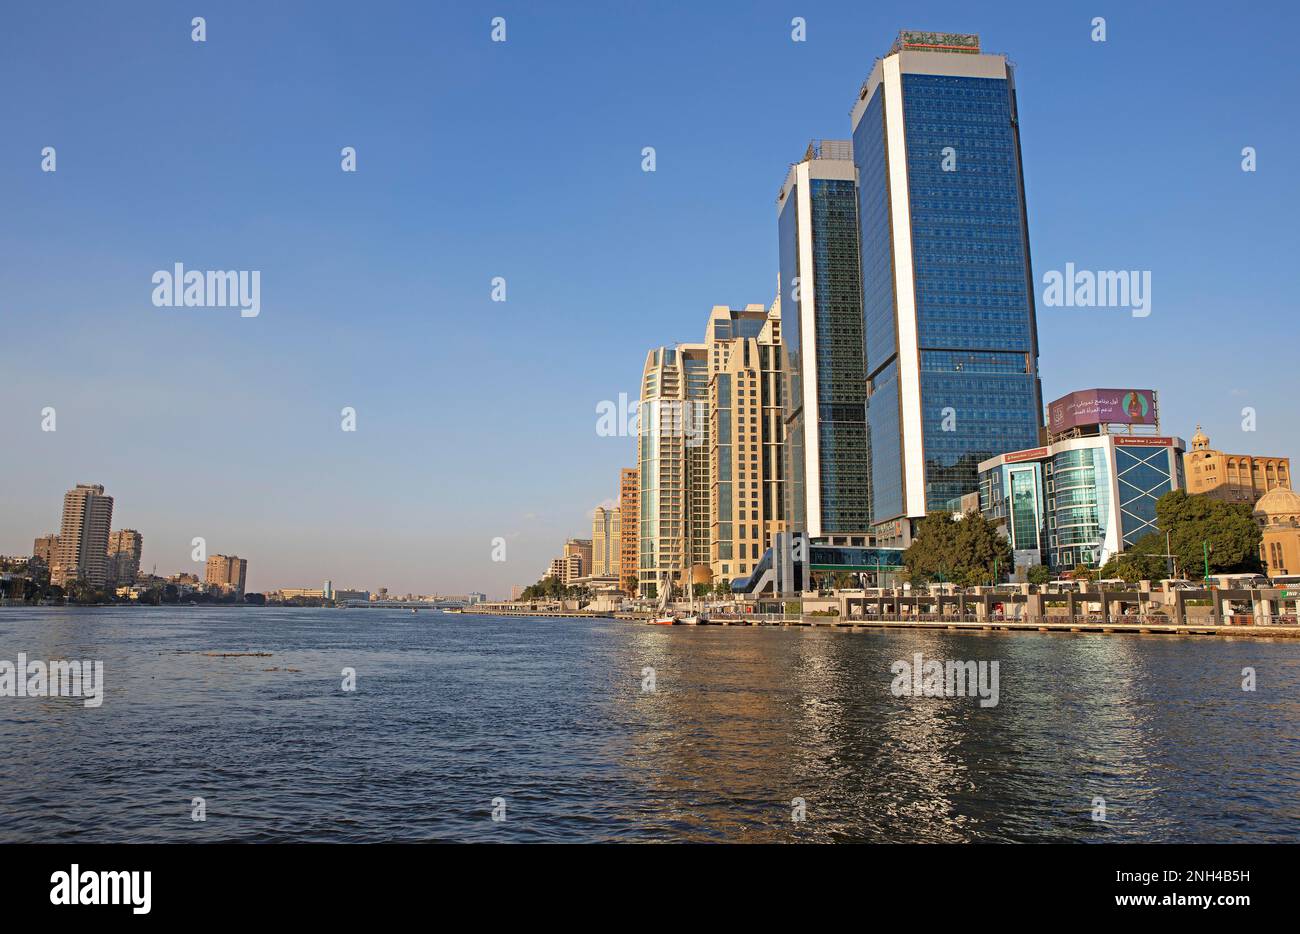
(414, 610)
(691, 620)
(661, 620)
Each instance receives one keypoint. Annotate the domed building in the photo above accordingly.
(1278, 515)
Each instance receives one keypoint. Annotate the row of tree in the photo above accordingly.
(1195, 535)
(84, 593)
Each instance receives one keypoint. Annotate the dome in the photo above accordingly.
(701, 574)
(1200, 440)
(1278, 503)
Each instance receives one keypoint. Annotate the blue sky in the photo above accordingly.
(522, 159)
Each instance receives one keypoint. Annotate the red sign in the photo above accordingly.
(1032, 454)
(1138, 441)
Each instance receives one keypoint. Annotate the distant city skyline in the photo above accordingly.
(475, 419)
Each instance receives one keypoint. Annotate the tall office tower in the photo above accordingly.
(947, 290)
(673, 460)
(630, 529)
(227, 572)
(124, 548)
(606, 542)
(82, 551)
(746, 435)
(827, 446)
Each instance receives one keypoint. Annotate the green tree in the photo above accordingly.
(966, 551)
(1144, 561)
(1195, 521)
(1039, 574)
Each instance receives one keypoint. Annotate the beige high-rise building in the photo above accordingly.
(227, 572)
(1233, 478)
(577, 557)
(747, 434)
(629, 500)
(606, 536)
(558, 569)
(82, 550)
(673, 463)
(124, 548)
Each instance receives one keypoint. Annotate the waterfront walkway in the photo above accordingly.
(1046, 624)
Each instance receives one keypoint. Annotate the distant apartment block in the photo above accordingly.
(606, 537)
(124, 549)
(577, 559)
(82, 549)
(45, 548)
(228, 572)
(629, 533)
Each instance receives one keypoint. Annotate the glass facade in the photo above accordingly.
(841, 383)
(843, 474)
(975, 326)
(1093, 500)
(970, 262)
(1143, 476)
(1079, 501)
(880, 338)
(788, 248)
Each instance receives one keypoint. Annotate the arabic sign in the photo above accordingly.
(1103, 407)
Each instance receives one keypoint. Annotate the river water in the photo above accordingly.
(549, 724)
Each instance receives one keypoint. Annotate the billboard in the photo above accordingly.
(1103, 407)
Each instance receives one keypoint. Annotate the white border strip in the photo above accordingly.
(909, 355)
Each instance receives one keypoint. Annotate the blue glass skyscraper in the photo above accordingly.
(828, 469)
(950, 338)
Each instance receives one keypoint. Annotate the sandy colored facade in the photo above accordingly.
(1278, 515)
(747, 434)
(672, 460)
(577, 557)
(82, 550)
(1232, 478)
(124, 550)
(228, 572)
(629, 531)
(606, 542)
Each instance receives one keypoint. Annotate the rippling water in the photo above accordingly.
(453, 711)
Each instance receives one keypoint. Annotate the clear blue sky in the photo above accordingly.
(477, 419)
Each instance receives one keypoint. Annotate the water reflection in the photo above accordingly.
(550, 714)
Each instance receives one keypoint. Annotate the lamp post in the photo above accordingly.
(1205, 550)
